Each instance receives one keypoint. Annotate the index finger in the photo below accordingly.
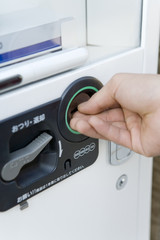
(100, 101)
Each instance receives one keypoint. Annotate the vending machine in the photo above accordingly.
(56, 183)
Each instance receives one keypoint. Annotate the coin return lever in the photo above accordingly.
(20, 158)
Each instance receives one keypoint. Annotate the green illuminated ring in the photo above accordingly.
(66, 113)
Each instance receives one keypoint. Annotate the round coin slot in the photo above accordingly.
(77, 92)
(80, 96)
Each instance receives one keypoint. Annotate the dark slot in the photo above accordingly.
(74, 110)
(67, 164)
(10, 82)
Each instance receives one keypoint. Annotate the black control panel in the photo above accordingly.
(39, 149)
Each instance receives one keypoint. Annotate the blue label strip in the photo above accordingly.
(29, 50)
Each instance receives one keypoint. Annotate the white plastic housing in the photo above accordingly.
(86, 206)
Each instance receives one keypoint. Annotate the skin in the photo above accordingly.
(126, 111)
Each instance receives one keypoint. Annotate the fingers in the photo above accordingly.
(81, 121)
(98, 128)
(109, 131)
(112, 115)
(125, 90)
(84, 127)
(100, 101)
(119, 125)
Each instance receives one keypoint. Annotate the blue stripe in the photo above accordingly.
(26, 51)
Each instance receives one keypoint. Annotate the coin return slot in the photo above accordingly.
(67, 164)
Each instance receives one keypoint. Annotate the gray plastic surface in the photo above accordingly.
(122, 152)
(23, 156)
(118, 154)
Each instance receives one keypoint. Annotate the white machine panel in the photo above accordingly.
(114, 23)
(109, 198)
(113, 26)
(88, 205)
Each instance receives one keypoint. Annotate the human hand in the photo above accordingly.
(126, 111)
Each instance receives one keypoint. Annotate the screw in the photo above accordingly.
(1, 45)
(121, 182)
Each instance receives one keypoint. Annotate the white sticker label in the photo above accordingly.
(27, 123)
(49, 184)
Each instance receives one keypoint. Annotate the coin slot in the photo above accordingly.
(81, 96)
(74, 111)
(77, 92)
